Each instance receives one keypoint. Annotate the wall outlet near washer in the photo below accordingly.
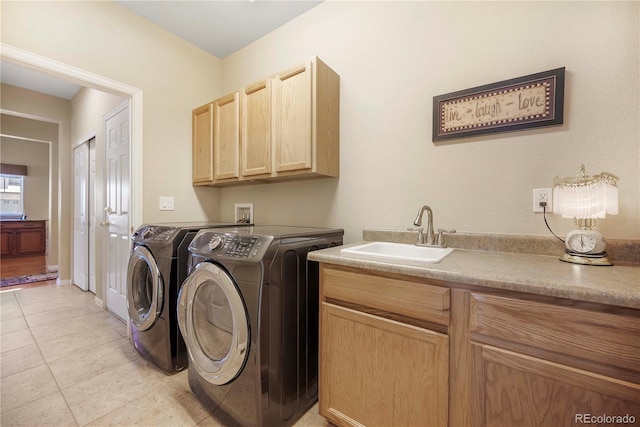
(244, 213)
(542, 195)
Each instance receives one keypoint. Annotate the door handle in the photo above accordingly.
(106, 222)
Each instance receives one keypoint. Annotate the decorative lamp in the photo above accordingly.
(585, 198)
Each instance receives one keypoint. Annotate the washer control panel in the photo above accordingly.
(232, 245)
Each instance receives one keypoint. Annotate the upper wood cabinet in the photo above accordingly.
(202, 144)
(226, 137)
(286, 126)
(256, 129)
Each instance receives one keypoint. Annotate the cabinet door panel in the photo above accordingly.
(292, 119)
(226, 137)
(511, 389)
(202, 145)
(378, 372)
(30, 241)
(256, 129)
(7, 242)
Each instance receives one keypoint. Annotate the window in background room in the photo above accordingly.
(11, 196)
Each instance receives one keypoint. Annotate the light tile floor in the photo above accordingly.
(65, 361)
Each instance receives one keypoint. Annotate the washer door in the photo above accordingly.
(145, 288)
(214, 323)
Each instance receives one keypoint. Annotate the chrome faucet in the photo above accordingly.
(427, 238)
(424, 238)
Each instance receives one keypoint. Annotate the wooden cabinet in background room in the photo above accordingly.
(23, 237)
(380, 363)
(286, 126)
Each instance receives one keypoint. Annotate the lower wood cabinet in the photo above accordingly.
(403, 351)
(512, 389)
(379, 372)
(544, 362)
(380, 362)
(23, 238)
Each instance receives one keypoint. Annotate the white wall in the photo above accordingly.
(393, 57)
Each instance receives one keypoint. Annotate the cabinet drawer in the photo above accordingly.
(404, 297)
(602, 337)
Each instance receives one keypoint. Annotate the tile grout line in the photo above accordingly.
(47, 364)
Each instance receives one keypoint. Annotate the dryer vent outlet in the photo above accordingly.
(244, 213)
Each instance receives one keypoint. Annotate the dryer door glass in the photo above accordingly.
(144, 288)
(214, 322)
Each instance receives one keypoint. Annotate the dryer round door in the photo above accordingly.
(214, 323)
(144, 288)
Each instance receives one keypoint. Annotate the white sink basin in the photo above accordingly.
(400, 251)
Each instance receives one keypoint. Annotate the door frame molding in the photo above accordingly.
(105, 84)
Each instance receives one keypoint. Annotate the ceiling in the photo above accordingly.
(220, 27)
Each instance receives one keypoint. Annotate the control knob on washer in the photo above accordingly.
(216, 242)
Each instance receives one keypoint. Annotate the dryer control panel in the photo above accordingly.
(152, 233)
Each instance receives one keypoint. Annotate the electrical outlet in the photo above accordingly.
(542, 195)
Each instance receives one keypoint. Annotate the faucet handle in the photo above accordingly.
(440, 232)
(420, 234)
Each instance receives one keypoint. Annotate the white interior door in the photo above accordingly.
(116, 211)
(80, 216)
(92, 215)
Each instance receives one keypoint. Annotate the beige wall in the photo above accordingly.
(35, 156)
(174, 76)
(46, 111)
(393, 57)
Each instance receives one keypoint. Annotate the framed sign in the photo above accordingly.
(525, 102)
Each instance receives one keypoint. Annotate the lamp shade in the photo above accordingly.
(585, 196)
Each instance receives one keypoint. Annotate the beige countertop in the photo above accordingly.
(535, 274)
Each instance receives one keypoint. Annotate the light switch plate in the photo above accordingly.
(166, 203)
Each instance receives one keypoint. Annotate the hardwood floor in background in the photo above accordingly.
(20, 266)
